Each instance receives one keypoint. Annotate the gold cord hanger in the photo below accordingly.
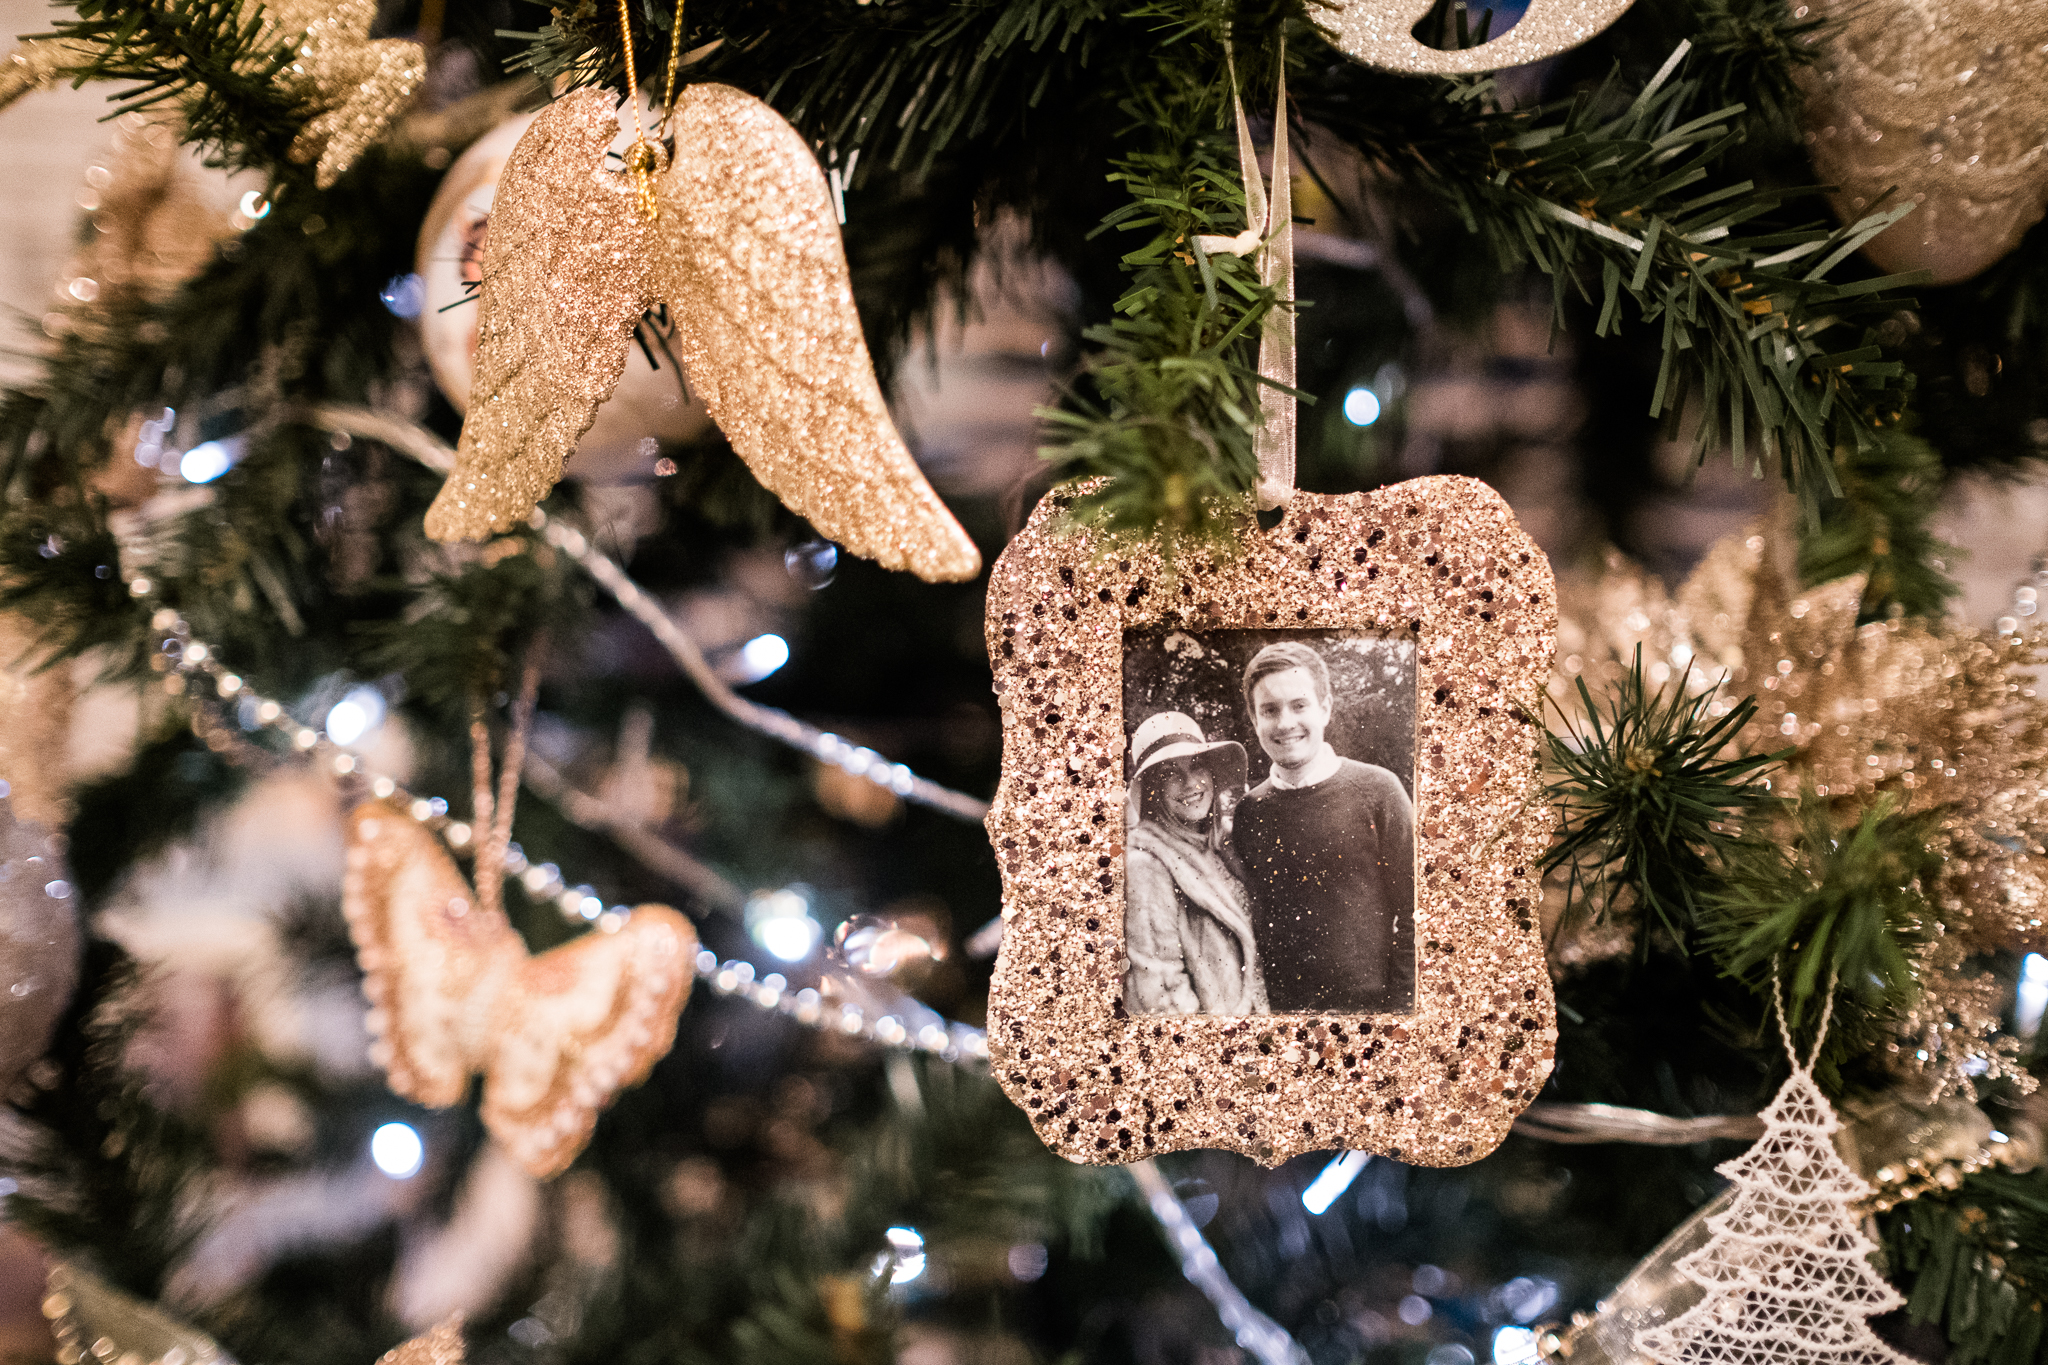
(644, 156)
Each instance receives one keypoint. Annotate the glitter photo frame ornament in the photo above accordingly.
(1440, 560)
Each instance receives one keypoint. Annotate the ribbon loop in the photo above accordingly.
(1270, 232)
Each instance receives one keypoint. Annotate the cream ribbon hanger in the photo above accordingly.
(1270, 233)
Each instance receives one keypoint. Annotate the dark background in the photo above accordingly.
(1199, 672)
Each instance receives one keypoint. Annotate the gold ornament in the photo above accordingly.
(354, 85)
(92, 1320)
(1947, 719)
(39, 941)
(1379, 33)
(85, 1311)
(454, 992)
(358, 85)
(153, 227)
(746, 254)
(1432, 1074)
(1947, 103)
(441, 1346)
(40, 65)
(646, 402)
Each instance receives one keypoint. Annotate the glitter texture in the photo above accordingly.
(360, 85)
(357, 85)
(1441, 558)
(1379, 33)
(38, 65)
(453, 992)
(440, 1346)
(92, 1320)
(1946, 102)
(35, 720)
(746, 253)
(1946, 718)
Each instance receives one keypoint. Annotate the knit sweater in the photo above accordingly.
(1330, 874)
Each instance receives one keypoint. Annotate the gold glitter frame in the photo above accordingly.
(1442, 558)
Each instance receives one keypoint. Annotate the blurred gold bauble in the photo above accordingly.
(1947, 103)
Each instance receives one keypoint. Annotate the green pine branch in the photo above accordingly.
(1650, 804)
(1832, 913)
(1880, 526)
(213, 59)
(1975, 1261)
(1172, 396)
(1751, 51)
(1614, 195)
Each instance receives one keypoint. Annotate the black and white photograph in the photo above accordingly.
(1270, 822)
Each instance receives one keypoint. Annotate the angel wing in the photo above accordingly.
(453, 992)
(564, 283)
(750, 262)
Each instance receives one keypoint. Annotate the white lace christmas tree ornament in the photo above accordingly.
(1787, 1271)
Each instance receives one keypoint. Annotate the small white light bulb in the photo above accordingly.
(1361, 407)
(761, 656)
(398, 1151)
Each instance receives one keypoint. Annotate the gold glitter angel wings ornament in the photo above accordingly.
(1380, 33)
(737, 235)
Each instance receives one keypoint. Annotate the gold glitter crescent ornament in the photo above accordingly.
(453, 992)
(39, 65)
(1947, 104)
(1227, 921)
(744, 249)
(1380, 33)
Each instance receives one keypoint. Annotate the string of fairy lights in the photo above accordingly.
(186, 664)
(188, 667)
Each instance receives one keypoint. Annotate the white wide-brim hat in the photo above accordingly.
(1171, 734)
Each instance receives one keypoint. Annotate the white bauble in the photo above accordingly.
(38, 941)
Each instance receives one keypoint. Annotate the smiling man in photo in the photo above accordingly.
(1327, 844)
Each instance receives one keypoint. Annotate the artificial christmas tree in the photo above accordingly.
(232, 640)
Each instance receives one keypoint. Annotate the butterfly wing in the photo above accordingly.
(564, 284)
(432, 960)
(751, 264)
(578, 1024)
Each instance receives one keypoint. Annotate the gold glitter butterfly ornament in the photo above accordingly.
(737, 235)
(453, 992)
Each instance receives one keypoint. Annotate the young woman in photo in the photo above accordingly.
(1187, 933)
